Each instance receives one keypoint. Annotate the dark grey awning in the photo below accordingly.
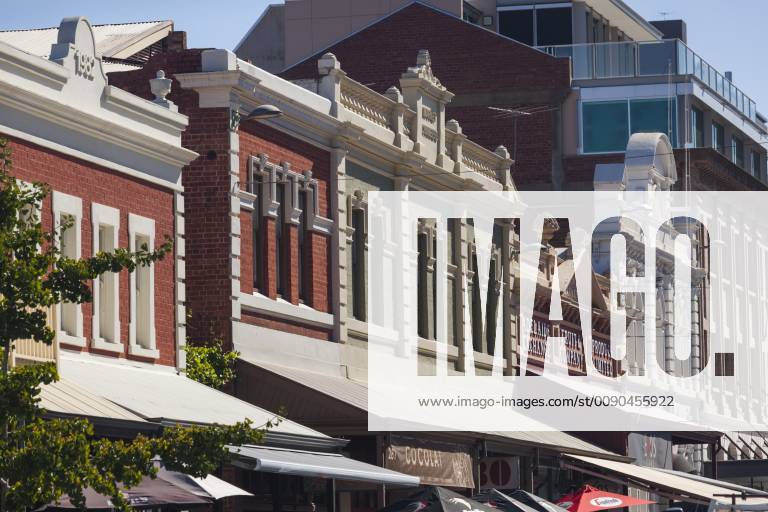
(316, 464)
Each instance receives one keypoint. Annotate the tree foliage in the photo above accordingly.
(210, 364)
(42, 459)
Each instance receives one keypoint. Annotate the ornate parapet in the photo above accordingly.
(412, 120)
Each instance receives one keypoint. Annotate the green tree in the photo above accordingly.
(42, 460)
(210, 364)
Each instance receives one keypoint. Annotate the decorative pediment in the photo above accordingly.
(75, 50)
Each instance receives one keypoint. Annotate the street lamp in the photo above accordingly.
(264, 112)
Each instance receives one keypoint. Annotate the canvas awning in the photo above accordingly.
(316, 464)
(664, 483)
(353, 395)
(163, 396)
(65, 399)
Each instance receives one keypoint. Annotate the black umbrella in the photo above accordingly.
(148, 494)
(437, 499)
(500, 501)
(533, 501)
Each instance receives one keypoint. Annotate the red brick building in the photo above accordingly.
(291, 240)
(114, 163)
(482, 69)
(116, 177)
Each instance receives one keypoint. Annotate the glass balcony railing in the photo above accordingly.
(651, 58)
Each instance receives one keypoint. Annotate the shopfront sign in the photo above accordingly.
(435, 463)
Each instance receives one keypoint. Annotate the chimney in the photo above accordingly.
(672, 29)
(176, 40)
(729, 76)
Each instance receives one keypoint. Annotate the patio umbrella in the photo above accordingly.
(502, 502)
(208, 487)
(437, 499)
(148, 494)
(589, 499)
(533, 501)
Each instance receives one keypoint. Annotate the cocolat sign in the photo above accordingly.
(660, 301)
(423, 457)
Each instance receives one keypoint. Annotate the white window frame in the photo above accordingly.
(142, 226)
(102, 215)
(65, 204)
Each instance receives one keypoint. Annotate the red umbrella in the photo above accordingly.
(589, 499)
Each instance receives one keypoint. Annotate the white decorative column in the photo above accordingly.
(668, 301)
(339, 241)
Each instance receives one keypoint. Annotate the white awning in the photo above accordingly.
(209, 486)
(316, 464)
(672, 485)
(355, 394)
(66, 398)
(161, 395)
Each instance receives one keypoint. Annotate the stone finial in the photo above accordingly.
(160, 87)
(394, 94)
(327, 63)
(453, 125)
(502, 152)
(423, 68)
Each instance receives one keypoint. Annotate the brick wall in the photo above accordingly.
(709, 170)
(207, 207)
(95, 184)
(480, 67)
(206, 195)
(580, 170)
(258, 139)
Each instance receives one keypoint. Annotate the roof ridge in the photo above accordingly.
(407, 4)
(40, 29)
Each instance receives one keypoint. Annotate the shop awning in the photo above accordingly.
(65, 399)
(316, 464)
(353, 395)
(163, 396)
(672, 485)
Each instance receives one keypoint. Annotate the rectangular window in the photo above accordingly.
(300, 261)
(737, 151)
(517, 24)
(718, 138)
(106, 319)
(67, 218)
(141, 236)
(280, 268)
(697, 128)
(553, 26)
(653, 116)
(605, 126)
(258, 210)
(756, 165)
(358, 264)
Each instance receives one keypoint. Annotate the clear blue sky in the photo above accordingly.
(730, 35)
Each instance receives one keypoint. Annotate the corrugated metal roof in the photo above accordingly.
(65, 397)
(111, 39)
(561, 441)
(164, 396)
(355, 394)
(348, 391)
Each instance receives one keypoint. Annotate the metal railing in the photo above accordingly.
(651, 58)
